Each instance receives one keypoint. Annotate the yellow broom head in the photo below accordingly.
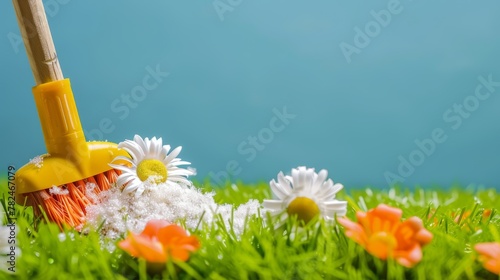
(67, 179)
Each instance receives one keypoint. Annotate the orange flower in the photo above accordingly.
(435, 220)
(456, 216)
(486, 214)
(381, 232)
(489, 255)
(159, 242)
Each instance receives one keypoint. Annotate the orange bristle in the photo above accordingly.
(78, 194)
(68, 206)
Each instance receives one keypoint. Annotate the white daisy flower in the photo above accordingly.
(306, 194)
(150, 164)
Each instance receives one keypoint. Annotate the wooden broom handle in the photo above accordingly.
(38, 41)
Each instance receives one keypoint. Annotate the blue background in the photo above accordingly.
(228, 70)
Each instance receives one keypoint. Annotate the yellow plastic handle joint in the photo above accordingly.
(59, 118)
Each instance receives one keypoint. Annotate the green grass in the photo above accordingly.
(318, 251)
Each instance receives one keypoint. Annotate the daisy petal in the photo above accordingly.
(278, 190)
(318, 181)
(172, 155)
(273, 204)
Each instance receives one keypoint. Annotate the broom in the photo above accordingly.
(66, 179)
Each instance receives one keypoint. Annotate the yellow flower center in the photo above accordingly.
(152, 167)
(304, 208)
(382, 244)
